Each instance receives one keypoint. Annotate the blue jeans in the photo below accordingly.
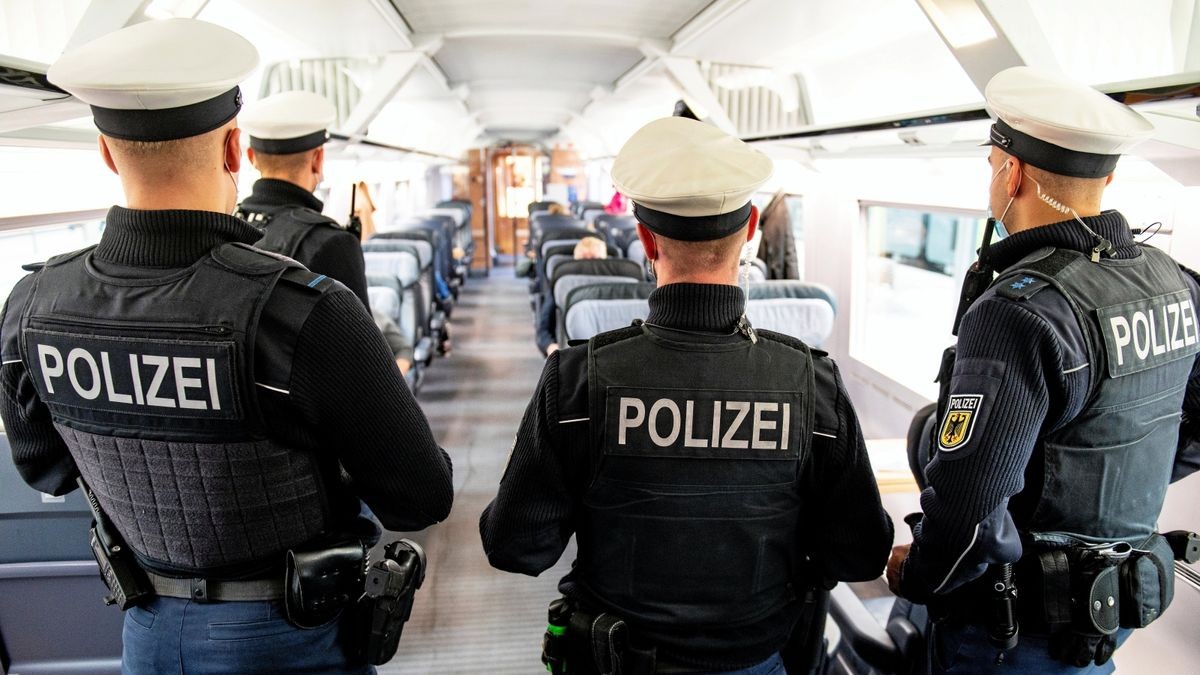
(772, 666)
(964, 648)
(173, 635)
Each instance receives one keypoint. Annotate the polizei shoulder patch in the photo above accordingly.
(961, 415)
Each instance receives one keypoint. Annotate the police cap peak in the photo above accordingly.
(289, 122)
(159, 80)
(689, 180)
(1060, 125)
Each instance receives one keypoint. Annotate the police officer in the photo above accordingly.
(714, 474)
(186, 376)
(287, 138)
(1059, 420)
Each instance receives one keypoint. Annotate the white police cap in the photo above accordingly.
(159, 80)
(1060, 125)
(689, 180)
(293, 121)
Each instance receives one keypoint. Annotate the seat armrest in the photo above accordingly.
(869, 641)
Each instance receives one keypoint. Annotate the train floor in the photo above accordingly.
(468, 617)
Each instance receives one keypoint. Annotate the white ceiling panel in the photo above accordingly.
(534, 59)
(342, 28)
(657, 19)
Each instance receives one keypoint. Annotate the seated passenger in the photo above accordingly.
(588, 248)
(402, 349)
(557, 209)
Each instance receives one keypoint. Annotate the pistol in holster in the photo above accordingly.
(127, 583)
(387, 600)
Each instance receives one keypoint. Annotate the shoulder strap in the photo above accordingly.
(1031, 275)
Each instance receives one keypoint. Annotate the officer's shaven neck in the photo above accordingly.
(1028, 210)
(300, 168)
(697, 262)
(195, 173)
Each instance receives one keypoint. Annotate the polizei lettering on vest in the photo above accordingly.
(133, 375)
(52, 369)
(1145, 334)
(701, 425)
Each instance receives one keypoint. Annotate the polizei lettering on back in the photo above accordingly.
(140, 376)
(702, 424)
(1148, 333)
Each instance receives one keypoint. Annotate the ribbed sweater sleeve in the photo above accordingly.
(38, 452)
(1187, 459)
(1005, 353)
(347, 386)
(527, 526)
(340, 256)
(852, 531)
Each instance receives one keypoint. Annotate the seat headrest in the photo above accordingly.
(785, 288)
(809, 320)
(610, 267)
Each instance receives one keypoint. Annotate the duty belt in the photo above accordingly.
(205, 590)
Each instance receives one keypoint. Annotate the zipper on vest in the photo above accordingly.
(143, 325)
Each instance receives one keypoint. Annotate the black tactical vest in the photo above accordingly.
(150, 382)
(698, 443)
(1106, 472)
(285, 228)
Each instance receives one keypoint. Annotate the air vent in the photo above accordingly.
(759, 101)
(339, 80)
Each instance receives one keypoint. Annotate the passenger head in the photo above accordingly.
(287, 136)
(557, 209)
(162, 98)
(690, 184)
(591, 248)
(1055, 144)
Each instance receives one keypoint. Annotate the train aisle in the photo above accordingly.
(470, 618)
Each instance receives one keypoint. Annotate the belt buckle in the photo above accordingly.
(199, 590)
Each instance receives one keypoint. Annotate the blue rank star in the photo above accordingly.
(1017, 285)
(1028, 280)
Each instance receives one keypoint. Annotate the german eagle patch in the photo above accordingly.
(961, 414)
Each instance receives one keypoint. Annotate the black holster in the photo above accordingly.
(579, 642)
(1082, 595)
(319, 584)
(386, 603)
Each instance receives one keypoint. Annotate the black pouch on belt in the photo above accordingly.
(320, 584)
(1147, 582)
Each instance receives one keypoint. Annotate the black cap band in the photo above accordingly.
(289, 146)
(1048, 156)
(169, 124)
(696, 228)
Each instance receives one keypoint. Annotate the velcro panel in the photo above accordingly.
(1145, 334)
(157, 377)
(702, 424)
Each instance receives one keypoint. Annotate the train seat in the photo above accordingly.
(572, 274)
(600, 307)
(792, 309)
(52, 619)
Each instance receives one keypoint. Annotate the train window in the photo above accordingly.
(906, 293)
